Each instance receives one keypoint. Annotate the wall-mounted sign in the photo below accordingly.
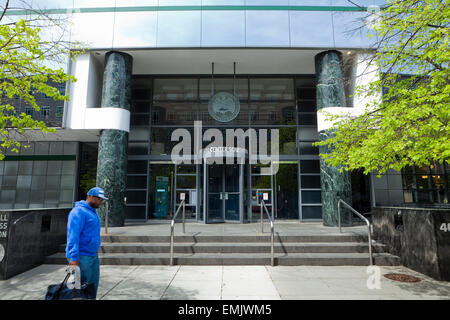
(224, 107)
(182, 196)
(265, 196)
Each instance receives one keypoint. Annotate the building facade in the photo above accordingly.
(164, 78)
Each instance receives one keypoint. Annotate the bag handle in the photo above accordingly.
(61, 286)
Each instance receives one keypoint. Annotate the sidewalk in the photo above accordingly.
(231, 283)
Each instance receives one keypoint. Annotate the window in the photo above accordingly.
(59, 112)
(45, 112)
(29, 111)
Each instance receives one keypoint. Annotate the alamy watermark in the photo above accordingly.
(232, 147)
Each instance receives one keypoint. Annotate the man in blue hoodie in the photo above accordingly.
(83, 236)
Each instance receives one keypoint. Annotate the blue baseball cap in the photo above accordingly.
(97, 192)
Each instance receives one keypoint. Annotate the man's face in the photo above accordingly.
(94, 202)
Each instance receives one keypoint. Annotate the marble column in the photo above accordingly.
(330, 93)
(112, 146)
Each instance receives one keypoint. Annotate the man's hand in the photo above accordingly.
(74, 263)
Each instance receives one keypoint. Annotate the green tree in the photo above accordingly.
(410, 124)
(25, 69)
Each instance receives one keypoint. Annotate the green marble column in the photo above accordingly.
(330, 93)
(112, 146)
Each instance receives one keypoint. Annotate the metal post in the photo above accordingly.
(106, 216)
(370, 247)
(262, 225)
(171, 243)
(183, 204)
(339, 215)
(272, 244)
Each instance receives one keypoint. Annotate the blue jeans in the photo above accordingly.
(90, 270)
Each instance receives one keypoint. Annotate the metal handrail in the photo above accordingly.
(272, 231)
(369, 227)
(172, 225)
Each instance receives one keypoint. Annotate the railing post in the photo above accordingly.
(184, 230)
(339, 215)
(262, 221)
(272, 244)
(171, 243)
(370, 247)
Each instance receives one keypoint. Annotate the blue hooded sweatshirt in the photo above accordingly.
(83, 232)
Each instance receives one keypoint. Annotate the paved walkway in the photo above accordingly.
(231, 283)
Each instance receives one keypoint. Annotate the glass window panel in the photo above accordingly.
(306, 93)
(174, 113)
(54, 167)
(287, 141)
(440, 196)
(56, 148)
(11, 168)
(311, 196)
(137, 148)
(180, 2)
(380, 182)
(272, 89)
(137, 212)
(136, 182)
(261, 182)
(25, 167)
(223, 28)
(137, 134)
(353, 3)
(422, 182)
(186, 169)
(2, 166)
(137, 166)
(70, 148)
(66, 195)
(311, 29)
(37, 197)
(207, 119)
(92, 3)
(68, 167)
(311, 212)
(310, 166)
(96, 29)
(38, 183)
(307, 119)
(51, 198)
(438, 181)
(350, 30)
(307, 106)
(53, 182)
(175, 89)
(161, 140)
(308, 133)
(394, 181)
(26, 148)
(140, 107)
(7, 196)
(136, 197)
(308, 148)
(224, 84)
(272, 113)
(41, 148)
(135, 29)
(23, 182)
(266, 2)
(137, 119)
(395, 197)
(39, 168)
(310, 182)
(422, 170)
(141, 88)
(186, 182)
(437, 168)
(67, 182)
(267, 28)
(179, 28)
(9, 182)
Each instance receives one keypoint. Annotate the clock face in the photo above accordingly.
(224, 107)
(2, 252)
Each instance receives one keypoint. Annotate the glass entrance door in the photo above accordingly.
(224, 189)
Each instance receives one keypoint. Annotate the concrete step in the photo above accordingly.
(242, 247)
(291, 259)
(234, 238)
